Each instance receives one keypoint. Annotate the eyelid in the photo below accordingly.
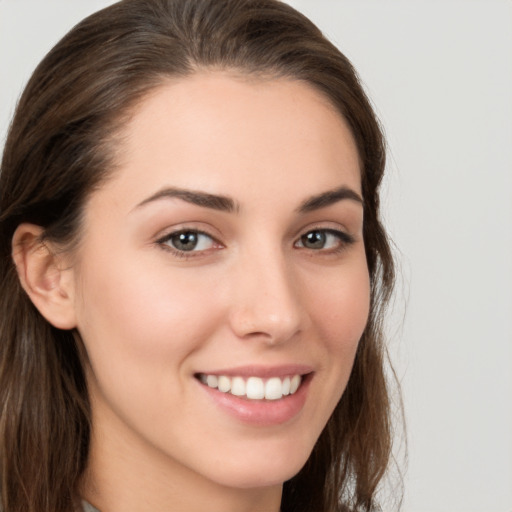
(194, 226)
(328, 226)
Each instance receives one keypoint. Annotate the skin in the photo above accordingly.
(252, 294)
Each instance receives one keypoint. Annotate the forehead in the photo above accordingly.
(229, 134)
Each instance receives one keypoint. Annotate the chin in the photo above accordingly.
(255, 472)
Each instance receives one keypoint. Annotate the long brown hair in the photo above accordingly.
(62, 145)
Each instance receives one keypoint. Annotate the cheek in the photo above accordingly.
(340, 313)
(132, 314)
(341, 308)
(140, 332)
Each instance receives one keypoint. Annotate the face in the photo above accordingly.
(221, 280)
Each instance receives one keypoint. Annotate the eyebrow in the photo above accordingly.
(227, 204)
(213, 201)
(328, 198)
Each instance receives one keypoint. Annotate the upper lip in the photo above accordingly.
(262, 371)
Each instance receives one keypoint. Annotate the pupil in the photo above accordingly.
(185, 241)
(314, 240)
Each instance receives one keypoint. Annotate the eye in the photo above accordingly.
(188, 241)
(324, 239)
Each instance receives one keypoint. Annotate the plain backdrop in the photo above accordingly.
(440, 75)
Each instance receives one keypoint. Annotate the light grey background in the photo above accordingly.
(440, 75)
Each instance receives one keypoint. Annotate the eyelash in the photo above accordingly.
(344, 240)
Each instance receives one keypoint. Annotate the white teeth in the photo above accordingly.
(286, 386)
(274, 389)
(254, 388)
(238, 386)
(212, 380)
(224, 384)
(294, 384)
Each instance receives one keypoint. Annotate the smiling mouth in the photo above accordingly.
(254, 388)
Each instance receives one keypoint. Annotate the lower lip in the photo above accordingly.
(261, 412)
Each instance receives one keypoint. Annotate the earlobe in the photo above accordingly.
(44, 276)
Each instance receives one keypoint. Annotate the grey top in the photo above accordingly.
(87, 507)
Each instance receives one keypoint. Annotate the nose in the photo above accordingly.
(266, 304)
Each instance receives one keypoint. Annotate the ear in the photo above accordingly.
(44, 275)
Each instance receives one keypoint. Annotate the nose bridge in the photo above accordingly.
(267, 302)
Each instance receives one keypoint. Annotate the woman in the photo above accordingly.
(192, 296)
